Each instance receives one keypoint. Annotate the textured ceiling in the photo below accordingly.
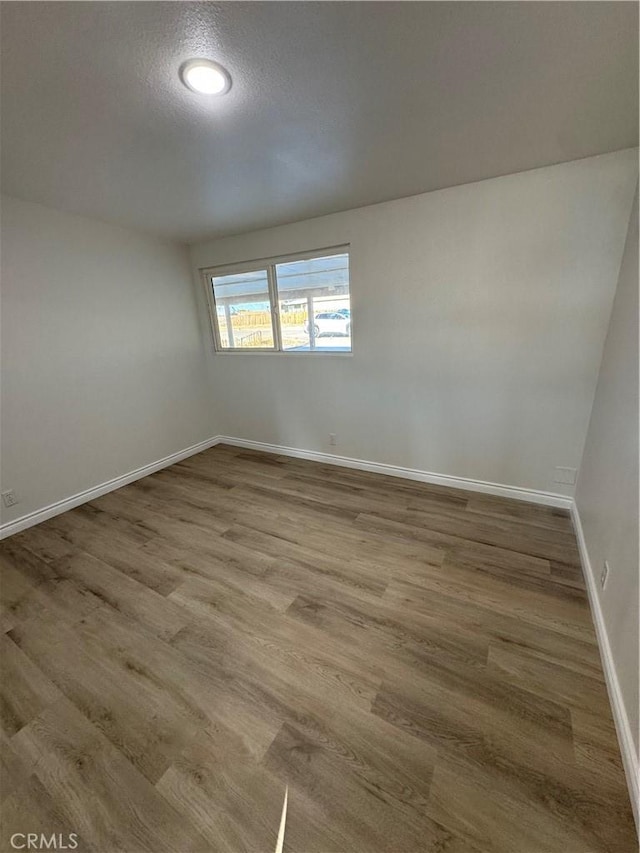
(333, 105)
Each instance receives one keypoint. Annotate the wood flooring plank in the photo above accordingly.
(219, 787)
(457, 592)
(573, 688)
(278, 643)
(14, 772)
(358, 817)
(82, 771)
(24, 690)
(213, 556)
(81, 534)
(595, 746)
(432, 528)
(223, 680)
(58, 601)
(122, 593)
(170, 520)
(127, 702)
(322, 528)
(15, 586)
(85, 524)
(533, 514)
(495, 819)
(32, 569)
(126, 556)
(351, 574)
(7, 619)
(536, 771)
(45, 544)
(31, 808)
(382, 641)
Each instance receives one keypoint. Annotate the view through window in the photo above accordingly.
(299, 304)
(243, 324)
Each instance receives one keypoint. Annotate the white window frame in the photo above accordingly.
(268, 265)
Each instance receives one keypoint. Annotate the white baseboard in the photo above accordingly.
(620, 717)
(11, 527)
(498, 489)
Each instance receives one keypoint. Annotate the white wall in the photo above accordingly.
(607, 492)
(103, 367)
(480, 314)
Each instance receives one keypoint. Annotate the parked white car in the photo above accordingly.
(331, 323)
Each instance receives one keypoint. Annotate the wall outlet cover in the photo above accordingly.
(9, 498)
(567, 476)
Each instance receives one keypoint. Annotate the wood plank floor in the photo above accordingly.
(417, 664)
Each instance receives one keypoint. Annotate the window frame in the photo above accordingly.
(268, 265)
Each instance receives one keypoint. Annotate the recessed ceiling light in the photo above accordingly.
(205, 77)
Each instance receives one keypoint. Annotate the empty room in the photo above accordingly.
(319, 427)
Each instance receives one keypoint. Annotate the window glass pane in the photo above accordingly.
(243, 310)
(316, 288)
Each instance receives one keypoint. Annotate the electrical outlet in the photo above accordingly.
(9, 498)
(566, 476)
(333, 439)
(604, 575)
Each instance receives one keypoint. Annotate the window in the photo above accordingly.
(293, 304)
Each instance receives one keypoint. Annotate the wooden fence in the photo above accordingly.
(245, 319)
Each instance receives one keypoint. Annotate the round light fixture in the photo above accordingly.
(205, 77)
